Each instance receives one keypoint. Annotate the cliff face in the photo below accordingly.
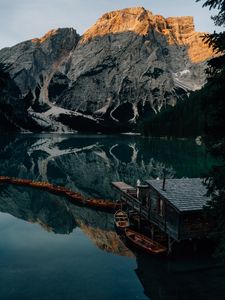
(129, 64)
(29, 67)
(32, 63)
(177, 30)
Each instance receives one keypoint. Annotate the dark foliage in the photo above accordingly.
(204, 114)
(214, 104)
(216, 4)
(184, 120)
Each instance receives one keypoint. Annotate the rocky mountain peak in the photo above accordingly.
(136, 19)
(181, 31)
(65, 38)
(131, 63)
(45, 37)
(177, 30)
(181, 25)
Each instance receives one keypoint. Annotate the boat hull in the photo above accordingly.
(144, 243)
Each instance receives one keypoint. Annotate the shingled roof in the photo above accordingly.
(185, 194)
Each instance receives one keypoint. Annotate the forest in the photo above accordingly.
(203, 113)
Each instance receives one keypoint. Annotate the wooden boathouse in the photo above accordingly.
(174, 206)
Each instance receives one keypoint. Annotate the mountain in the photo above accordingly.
(25, 72)
(128, 65)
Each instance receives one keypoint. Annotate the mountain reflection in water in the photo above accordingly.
(88, 164)
(56, 214)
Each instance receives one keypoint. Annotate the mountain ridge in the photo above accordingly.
(128, 64)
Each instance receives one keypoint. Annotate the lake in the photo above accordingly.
(53, 249)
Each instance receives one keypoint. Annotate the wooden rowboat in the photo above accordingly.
(121, 219)
(73, 196)
(5, 179)
(102, 204)
(144, 243)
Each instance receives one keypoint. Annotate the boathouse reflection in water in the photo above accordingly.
(182, 278)
(192, 277)
(88, 164)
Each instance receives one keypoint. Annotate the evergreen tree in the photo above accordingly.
(185, 119)
(214, 108)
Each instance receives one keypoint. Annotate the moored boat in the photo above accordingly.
(5, 179)
(60, 190)
(102, 204)
(121, 219)
(144, 243)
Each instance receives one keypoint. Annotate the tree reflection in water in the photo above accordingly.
(88, 164)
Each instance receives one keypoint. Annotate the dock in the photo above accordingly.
(174, 206)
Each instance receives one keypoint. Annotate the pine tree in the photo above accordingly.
(214, 108)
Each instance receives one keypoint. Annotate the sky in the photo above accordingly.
(21, 20)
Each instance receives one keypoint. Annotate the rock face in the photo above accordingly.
(29, 67)
(128, 65)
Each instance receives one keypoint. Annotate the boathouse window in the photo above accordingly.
(161, 207)
(143, 195)
(153, 201)
(172, 217)
(160, 204)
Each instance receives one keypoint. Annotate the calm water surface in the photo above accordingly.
(52, 249)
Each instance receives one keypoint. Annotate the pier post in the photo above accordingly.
(170, 243)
